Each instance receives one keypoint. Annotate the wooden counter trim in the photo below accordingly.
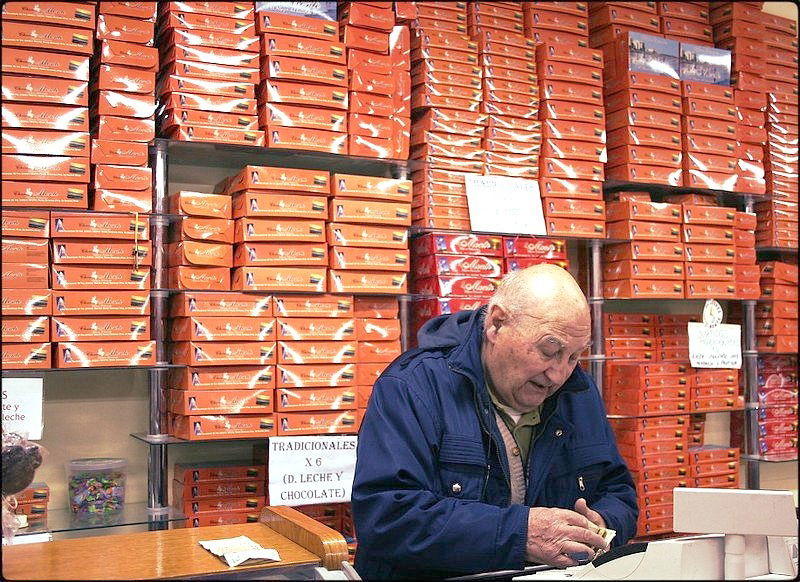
(317, 538)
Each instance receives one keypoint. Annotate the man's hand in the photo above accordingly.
(560, 537)
(582, 508)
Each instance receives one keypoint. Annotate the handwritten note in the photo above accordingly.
(22, 406)
(504, 204)
(715, 347)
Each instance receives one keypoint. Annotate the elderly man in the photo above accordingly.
(487, 447)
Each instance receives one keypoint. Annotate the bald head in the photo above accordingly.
(544, 290)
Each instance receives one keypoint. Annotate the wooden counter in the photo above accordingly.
(176, 553)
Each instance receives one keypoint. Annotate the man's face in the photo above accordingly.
(528, 359)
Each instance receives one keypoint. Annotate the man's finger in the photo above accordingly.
(588, 537)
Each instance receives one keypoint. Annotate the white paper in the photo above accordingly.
(307, 470)
(238, 550)
(715, 347)
(22, 406)
(504, 204)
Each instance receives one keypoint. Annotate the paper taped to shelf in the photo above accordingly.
(715, 347)
(22, 407)
(306, 470)
(240, 550)
(504, 204)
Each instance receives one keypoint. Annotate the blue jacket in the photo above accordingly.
(430, 424)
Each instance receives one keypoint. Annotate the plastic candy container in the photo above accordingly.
(96, 486)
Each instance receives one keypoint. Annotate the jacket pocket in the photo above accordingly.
(462, 467)
(577, 472)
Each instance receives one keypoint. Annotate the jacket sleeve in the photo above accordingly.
(617, 503)
(399, 516)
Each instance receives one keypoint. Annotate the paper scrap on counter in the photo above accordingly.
(240, 550)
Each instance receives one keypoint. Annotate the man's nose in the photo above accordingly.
(559, 371)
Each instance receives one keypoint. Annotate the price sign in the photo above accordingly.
(306, 470)
(504, 204)
(718, 346)
(22, 406)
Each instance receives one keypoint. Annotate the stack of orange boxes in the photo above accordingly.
(686, 22)
(778, 333)
(219, 493)
(449, 293)
(329, 514)
(746, 272)
(778, 224)
(279, 228)
(556, 23)
(708, 235)
(652, 263)
(400, 57)
(375, 93)
(45, 67)
(571, 85)
(696, 430)
(103, 254)
(32, 502)
(521, 252)
(209, 70)
(123, 106)
(449, 125)
(303, 94)
(643, 109)
(715, 390)
(510, 89)
(714, 466)
(227, 343)
(368, 234)
(26, 306)
(610, 20)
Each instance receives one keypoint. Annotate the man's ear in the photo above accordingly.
(496, 318)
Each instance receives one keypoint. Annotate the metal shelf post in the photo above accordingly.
(595, 287)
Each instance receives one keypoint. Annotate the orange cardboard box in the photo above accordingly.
(643, 270)
(308, 328)
(777, 343)
(99, 277)
(432, 66)
(268, 178)
(133, 30)
(216, 472)
(633, 210)
(279, 230)
(443, 223)
(697, 143)
(708, 126)
(130, 54)
(346, 185)
(43, 63)
(264, 203)
(38, 36)
(210, 328)
(382, 213)
(370, 147)
(377, 329)
(316, 352)
(746, 273)
(192, 253)
(369, 258)
(52, 168)
(303, 279)
(638, 117)
(574, 130)
(212, 120)
(199, 278)
(779, 270)
(646, 173)
(555, 71)
(99, 302)
(315, 375)
(21, 250)
(63, 13)
(627, 289)
(579, 209)
(709, 271)
(708, 215)
(46, 116)
(98, 225)
(700, 233)
(217, 135)
(125, 129)
(368, 374)
(228, 304)
(128, 79)
(26, 356)
(280, 114)
(79, 329)
(26, 329)
(710, 253)
(291, 24)
(306, 139)
(211, 71)
(306, 423)
(27, 224)
(200, 204)
(650, 156)
(277, 254)
(101, 354)
(353, 281)
(45, 90)
(224, 353)
(642, 231)
(106, 152)
(34, 302)
(568, 188)
(141, 106)
(210, 55)
(313, 305)
(367, 236)
(231, 426)
(305, 70)
(282, 45)
(130, 201)
(360, 59)
(572, 169)
(222, 378)
(378, 351)
(110, 177)
(71, 251)
(24, 276)
(221, 103)
(297, 93)
(645, 137)
(376, 307)
(320, 398)
(709, 289)
(207, 229)
(177, 83)
(219, 402)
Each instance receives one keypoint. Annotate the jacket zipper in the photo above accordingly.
(488, 432)
(530, 453)
(581, 486)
